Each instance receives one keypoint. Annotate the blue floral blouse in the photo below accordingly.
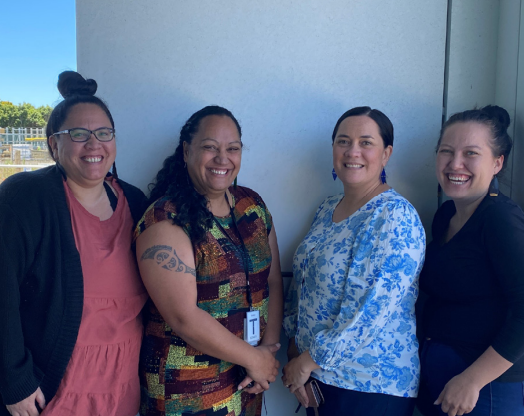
(352, 299)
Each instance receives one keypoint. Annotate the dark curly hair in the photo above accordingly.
(76, 90)
(492, 116)
(173, 181)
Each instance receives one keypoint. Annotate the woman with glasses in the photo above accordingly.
(208, 256)
(70, 292)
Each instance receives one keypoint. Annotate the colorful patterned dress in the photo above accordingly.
(177, 379)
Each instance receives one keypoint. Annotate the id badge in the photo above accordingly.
(252, 327)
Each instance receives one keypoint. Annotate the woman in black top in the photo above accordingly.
(473, 321)
(46, 293)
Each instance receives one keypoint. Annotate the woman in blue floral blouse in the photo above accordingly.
(350, 311)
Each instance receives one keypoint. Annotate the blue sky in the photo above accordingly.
(38, 41)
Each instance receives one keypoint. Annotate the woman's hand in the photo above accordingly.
(27, 406)
(297, 371)
(262, 370)
(460, 395)
(301, 396)
(255, 389)
(300, 392)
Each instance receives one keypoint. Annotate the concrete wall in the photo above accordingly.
(287, 70)
(483, 64)
(473, 51)
(506, 83)
(518, 155)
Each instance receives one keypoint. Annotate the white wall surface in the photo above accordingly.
(483, 64)
(473, 52)
(287, 70)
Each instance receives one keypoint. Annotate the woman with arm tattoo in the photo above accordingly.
(208, 256)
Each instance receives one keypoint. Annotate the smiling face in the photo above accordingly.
(85, 163)
(213, 158)
(358, 152)
(465, 161)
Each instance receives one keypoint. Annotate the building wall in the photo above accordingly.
(506, 86)
(518, 152)
(473, 51)
(287, 70)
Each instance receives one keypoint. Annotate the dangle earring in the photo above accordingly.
(334, 174)
(383, 176)
(494, 186)
(235, 183)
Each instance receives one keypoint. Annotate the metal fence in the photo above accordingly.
(24, 135)
(22, 149)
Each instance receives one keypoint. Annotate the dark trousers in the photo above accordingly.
(440, 363)
(345, 402)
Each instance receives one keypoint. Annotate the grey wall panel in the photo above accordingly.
(287, 70)
(473, 54)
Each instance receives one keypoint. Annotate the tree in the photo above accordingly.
(29, 116)
(9, 114)
(23, 115)
(45, 111)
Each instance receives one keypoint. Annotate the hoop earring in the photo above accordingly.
(334, 174)
(383, 176)
(494, 187)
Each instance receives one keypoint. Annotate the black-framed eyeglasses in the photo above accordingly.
(103, 134)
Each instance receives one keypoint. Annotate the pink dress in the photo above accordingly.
(102, 375)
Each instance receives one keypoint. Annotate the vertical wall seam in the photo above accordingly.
(515, 107)
(446, 82)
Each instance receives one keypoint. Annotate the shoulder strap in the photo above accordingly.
(113, 200)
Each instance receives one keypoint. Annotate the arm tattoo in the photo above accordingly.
(166, 257)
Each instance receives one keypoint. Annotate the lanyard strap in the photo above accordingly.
(242, 250)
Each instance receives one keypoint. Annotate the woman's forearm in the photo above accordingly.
(276, 295)
(203, 332)
(307, 362)
(275, 313)
(461, 393)
(488, 367)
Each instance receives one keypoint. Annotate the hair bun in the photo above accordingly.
(498, 114)
(71, 83)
